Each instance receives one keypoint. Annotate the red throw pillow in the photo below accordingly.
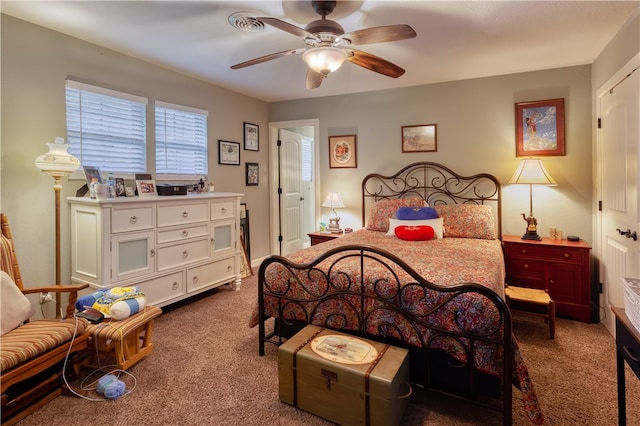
(415, 233)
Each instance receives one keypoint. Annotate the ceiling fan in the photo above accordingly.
(328, 46)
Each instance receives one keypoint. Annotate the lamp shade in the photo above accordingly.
(57, 162)
(324, 60)
(333, 201)
(531, 171)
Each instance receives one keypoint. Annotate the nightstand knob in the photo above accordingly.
(524, 251)
(551, 282)
(566, 255)
(526, 265)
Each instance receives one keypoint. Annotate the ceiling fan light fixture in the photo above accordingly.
(324, 60)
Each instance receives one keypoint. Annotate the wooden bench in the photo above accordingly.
(534, 302)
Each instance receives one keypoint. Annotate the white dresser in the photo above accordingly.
(172, 247)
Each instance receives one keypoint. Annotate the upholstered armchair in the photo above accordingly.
(33, 353)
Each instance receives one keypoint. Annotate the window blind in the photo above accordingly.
(105, 128)
(181, 140)
(306, 160)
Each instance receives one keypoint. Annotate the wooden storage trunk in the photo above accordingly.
(344, 379)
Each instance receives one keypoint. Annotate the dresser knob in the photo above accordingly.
(194, 279)
(133, 219)
(229, 267)
(223, 210)
(153, 252)
(185, 254)
(185, 233)
(185, 214)
(174, 286)
(566, 255)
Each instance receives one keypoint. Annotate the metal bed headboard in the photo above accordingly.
(436, 184)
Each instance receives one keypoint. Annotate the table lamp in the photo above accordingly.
(531, 171)
(334, 201)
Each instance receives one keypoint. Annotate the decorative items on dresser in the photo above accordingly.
(171, 247)
(560, 267)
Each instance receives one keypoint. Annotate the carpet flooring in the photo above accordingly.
(206, 371)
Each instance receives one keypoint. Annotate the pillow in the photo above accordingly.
(415, 233)
(467, 221)
(384, 209)
(436, 224)
(15, 308)
(416, 213)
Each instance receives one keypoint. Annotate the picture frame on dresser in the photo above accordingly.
(540, 128)
(146, 188)
(91, 172)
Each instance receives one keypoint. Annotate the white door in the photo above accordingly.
(294, 203)
(618, 144)
(292, 199)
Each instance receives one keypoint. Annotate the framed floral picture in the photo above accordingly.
(342, 152)
(540, 128)
(420, 138)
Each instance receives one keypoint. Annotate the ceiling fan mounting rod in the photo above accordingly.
(323, 8)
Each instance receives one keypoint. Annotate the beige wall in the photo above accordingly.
(476, 133)
(35, 64)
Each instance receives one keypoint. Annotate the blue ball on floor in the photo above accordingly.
(110, 386)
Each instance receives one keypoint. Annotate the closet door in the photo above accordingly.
(618, 146)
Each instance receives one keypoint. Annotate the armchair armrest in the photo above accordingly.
(72, 289)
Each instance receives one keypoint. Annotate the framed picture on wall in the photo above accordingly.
(251, 141)
(228, 152)
(540, 128)
(420, 138)
(342, 152)
(253, 174)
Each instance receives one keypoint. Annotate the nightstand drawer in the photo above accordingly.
(528, 267)
(547, 253)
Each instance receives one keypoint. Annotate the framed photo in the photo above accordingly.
(129, 188)
(91, 172)
(243, 210)
(228, 152)
(420, 138)
(146, 188)
(120, 191)
(540, 128)
(342, 152)
(253, 174)
(251, 141)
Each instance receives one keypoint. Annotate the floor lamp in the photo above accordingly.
(532, 172)
(58, 163)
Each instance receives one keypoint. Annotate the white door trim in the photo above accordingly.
(274, 225)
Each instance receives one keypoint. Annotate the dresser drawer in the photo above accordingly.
(162, 290)
(218, 272)
(222, 209)
(132, 218)
(182, 233)
(527, 267)
(171, 256)
(180, 214)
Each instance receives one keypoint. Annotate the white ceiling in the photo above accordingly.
(455, 41)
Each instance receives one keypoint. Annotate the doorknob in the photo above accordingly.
(301, 198)
(628, 234)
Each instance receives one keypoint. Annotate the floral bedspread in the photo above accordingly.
(445, 262)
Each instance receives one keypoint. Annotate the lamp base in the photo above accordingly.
(334, 225)
(532, 235)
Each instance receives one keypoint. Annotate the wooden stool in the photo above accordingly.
(534, 302)
(128, 340)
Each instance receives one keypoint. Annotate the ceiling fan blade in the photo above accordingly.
(269, 57)
(287, 27)
(374, 63)
(379, 34)
(314, 79)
